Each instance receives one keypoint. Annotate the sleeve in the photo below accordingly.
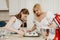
(50, 17)
(12, 19)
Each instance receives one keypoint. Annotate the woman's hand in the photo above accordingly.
(21, 33)
(29, 30)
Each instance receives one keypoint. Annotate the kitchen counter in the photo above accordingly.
(18, 37)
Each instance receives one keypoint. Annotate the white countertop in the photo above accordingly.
(18, 37)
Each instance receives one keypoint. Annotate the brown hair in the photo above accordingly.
(24, 10)
(38, 6)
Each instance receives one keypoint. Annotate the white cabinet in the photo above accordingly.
(59, 6)
(3, 5)
(13, 7)
(48, 5)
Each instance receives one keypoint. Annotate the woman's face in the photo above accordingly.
(24, 16)
(37, 11)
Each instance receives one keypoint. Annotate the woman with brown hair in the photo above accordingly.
(18, 22)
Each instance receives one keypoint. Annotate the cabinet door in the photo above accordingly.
(3, 5)
(13, 7)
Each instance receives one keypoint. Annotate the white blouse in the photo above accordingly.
(45, 22)
(16, 25)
